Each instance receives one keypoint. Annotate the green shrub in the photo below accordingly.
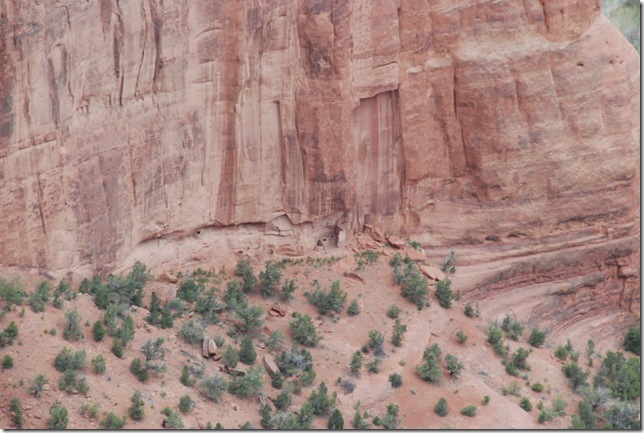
(59, 417)
(98, 330)
(38, 385)
(304, 330)
(430, 371)
(12, 293)
(213, 387)
(333, 300)
(16, 412)
(244, 269)
(525, 404)
(376, 342)
(393, 311)
(191, 331)
(320, 400)
(173, 420)
(7, 362)
(354, 308)
(283, 400)
(396, 380)
(559, 405)
(486, 400)
(73, 329)
(39, 298)
(453, 365)
(208, 306)
(186, 377)
(277, 381)
(270, 278)
(469, 410)
(66, 360)
(414, 285)
(139, 369)
(632, 341)
(91, 410)
(390, 421)
(398, 333)
(251, 318)
(356, 362)
(469, 310)
(99, 364)
(249, 384)
(545, 415)
(441, 408)
(288, 288)
(561, 353)
(537, 337)
(230, 358)
(336, 422)
(189, 290)
(462, 338)
(577, 377)
(448, 263)
(294, 361)
(186, 404)
(537, 387)
(247, 353)
(111, 421)
(444, 293)
(137, 409)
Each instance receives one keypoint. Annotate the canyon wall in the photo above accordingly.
(163, 130)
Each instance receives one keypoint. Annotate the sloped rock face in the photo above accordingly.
(166, 130)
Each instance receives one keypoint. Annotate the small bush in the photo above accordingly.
(192, 332)
(91, 410)
(99, 364)
(39, 298)
(251, 317)
(59, 417)
(374, 366)
(320, 400)
(537, 387)
(354, 308)
(545, 415)
(139, 369)
(396, 380)
(469, 410)
(186, 377)
(244, 269)
(356, 362)
(376, 342)
(7, 362)
(331, 301)
(577, 377)
(398, 333)
(453, 365)
(393, 311)
(561, 353)
(189, 290)
(632, 341)
(213, 387)
(444, 293)
(111, 421)
(230, 358)
(304, 330)
(38, 385)
(462, 338)
(173, 420)
(288, 288)
(248, 385)
(137, 409)
(525, 404)
(118, 348)
(469, 310)
(247, 353)
(73, 329)
(186, 404)
(270, 278)
(537, 337)
(98, 330)
(16, 412)
(486, 400)
(441, 408)
(336, 421)
(283, 400)
(66, 360)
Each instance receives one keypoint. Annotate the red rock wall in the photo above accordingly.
(158, 129)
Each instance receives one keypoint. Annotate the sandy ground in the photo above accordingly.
(483, 373)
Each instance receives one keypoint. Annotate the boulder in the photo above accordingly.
(270, 365)
(432, 272)
(396, 242)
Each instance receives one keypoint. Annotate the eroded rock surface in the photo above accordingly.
(167, 131)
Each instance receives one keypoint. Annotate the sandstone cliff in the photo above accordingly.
(166, 130)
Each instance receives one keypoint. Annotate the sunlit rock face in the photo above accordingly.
(169, 130)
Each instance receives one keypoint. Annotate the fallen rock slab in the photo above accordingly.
(433, 273)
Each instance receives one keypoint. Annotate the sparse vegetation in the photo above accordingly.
(512, 328)
(186, 378)
(336, 421)
(632, 341)
(413, 284)
(537, 387)
(39, 298)
(244, 269)
(288, 288)
(525, 404)
(73, 329)
(398, 333)
(248, 385)
(430, 370)
(230, 358)
(469, 310)
(270, 278)
(191, 331)
(186, 404)
(213, 387)
(38, 385)
(66, 360)
(98, 362)
(356, 362)
(376, 342)
(448, 263)
(462, 338)
(16, 413)
(390, 420)
(454, 366)
(7, 362)
(354, 308)
(247, 353)
(251, 318)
